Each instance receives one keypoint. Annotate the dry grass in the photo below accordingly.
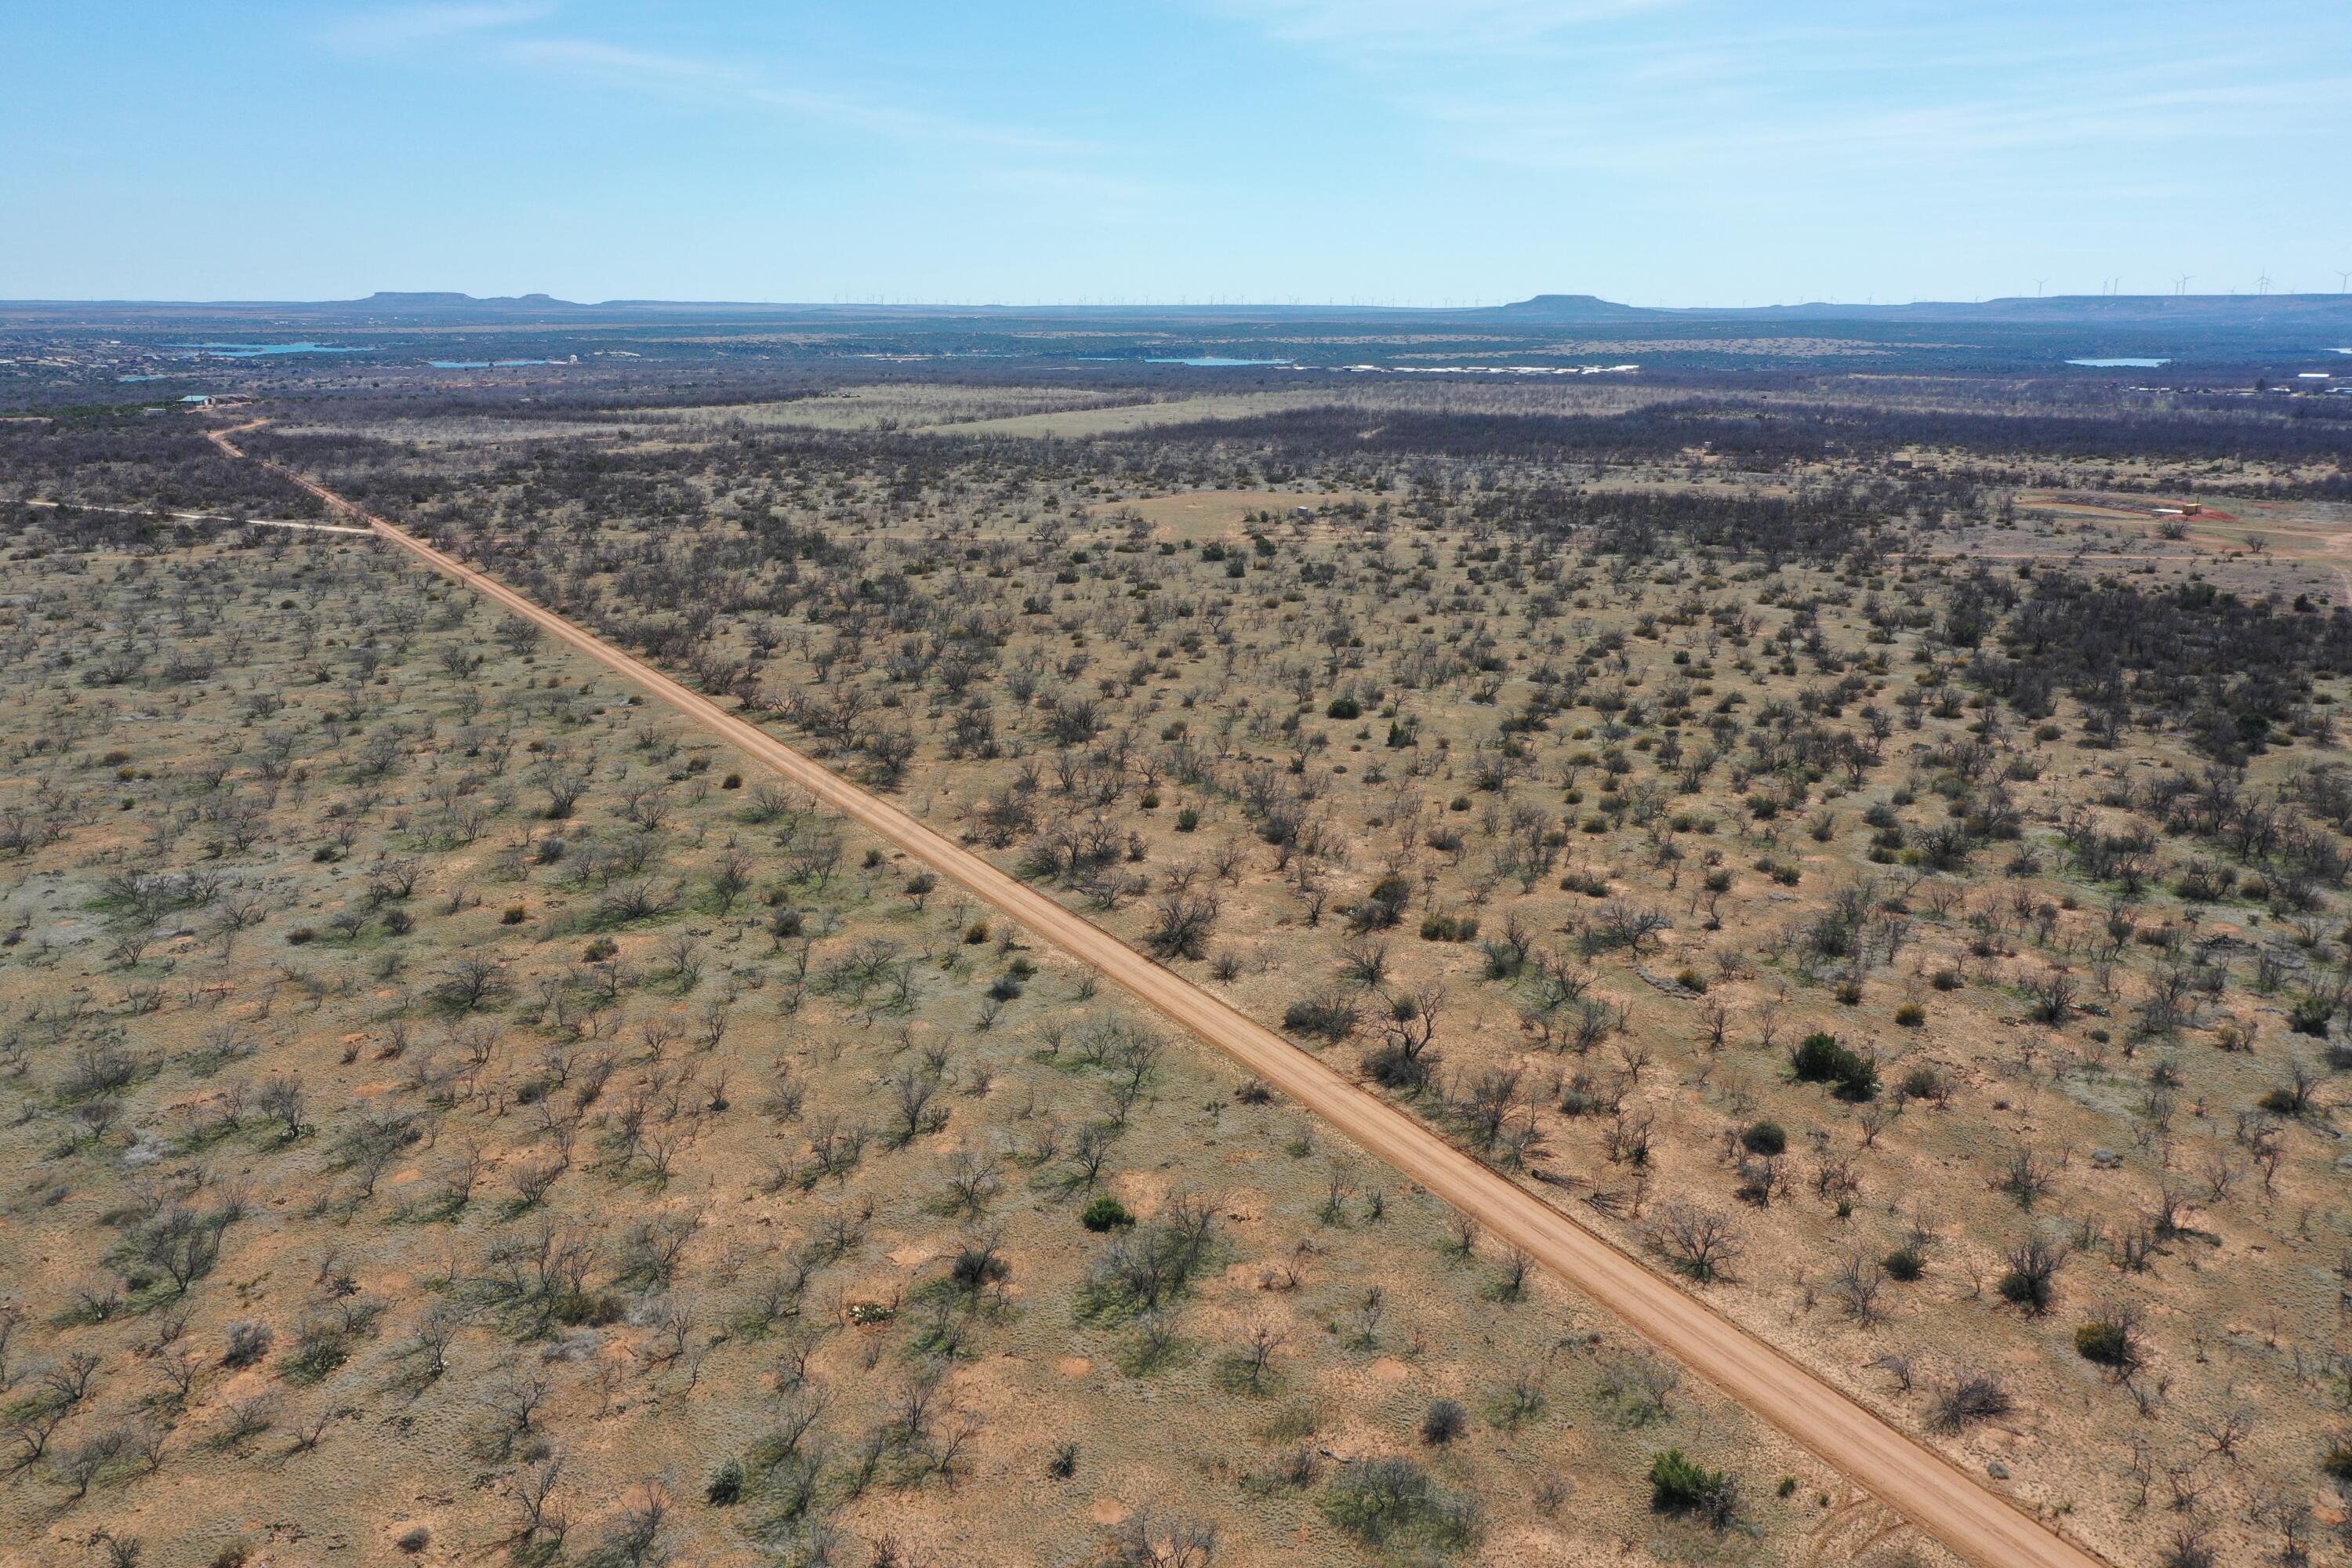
(530, 1168)
(1625, 1083)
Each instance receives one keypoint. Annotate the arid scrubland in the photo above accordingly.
(1781, 842)
(456, 1111)
(1934, 963)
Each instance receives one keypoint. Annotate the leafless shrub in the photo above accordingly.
(1700, 1243)
(1967, 1396)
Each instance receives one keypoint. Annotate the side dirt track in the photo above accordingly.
(1926, 1489)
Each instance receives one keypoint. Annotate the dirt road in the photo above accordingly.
(1933, 1493)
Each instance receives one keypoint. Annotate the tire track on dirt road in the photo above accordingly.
(1926, 1489)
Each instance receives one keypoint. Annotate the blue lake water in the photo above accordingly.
(140, 378)
(2121, 364)
(265, 351)
(1217, 362)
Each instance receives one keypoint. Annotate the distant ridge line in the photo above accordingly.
(399, 306)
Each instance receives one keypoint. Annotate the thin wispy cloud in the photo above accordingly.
(1727, 133)
(703, 81)
(408, 27)
(616, 64)
(902, 123)
(1392, 30)
(1649, 149)
(1656, 85)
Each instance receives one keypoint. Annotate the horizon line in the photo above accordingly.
(459, 300)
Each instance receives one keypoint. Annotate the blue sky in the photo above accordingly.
(1656, 151)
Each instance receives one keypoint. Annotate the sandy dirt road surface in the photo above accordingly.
(1926, 1489)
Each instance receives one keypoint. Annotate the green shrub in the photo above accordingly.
(1924, 1083)
(1679, 1486)
(1384, 906)
(2108, 1341)
(1105, 1212)
(1331, 1015)
(1821, 1058)
(2031, 1280)
(1386, 1501)
(1344, 708)
(1765, 1138)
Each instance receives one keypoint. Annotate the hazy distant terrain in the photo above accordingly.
(51, 352)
